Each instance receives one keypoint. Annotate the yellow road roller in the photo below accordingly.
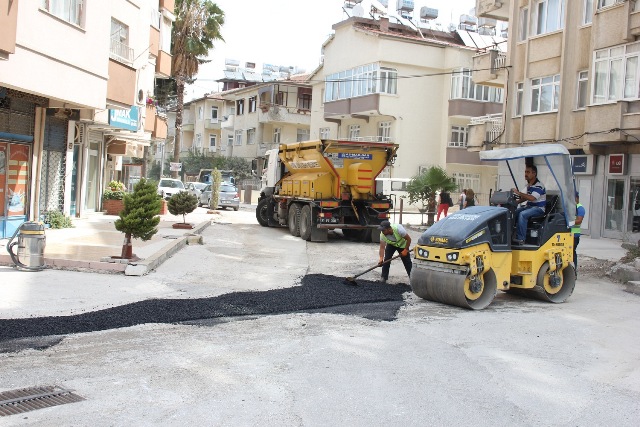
(465, 258)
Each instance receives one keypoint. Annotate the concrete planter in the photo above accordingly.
(183, 225)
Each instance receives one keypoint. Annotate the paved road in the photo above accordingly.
(519, 362)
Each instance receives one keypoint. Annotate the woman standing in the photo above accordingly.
(470, 199)
(462, 200)
(445, 202)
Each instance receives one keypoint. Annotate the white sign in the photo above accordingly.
(175, 167)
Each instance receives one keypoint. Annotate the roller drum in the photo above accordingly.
(451, 288)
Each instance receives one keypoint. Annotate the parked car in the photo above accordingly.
(229, 197)
(195, 188)
(167, 187)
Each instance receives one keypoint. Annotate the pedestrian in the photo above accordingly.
(470, 200)
(393, 237)
(575, 230)
(445, 203)
(462, 200)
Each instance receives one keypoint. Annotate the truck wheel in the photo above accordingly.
(262, 212)
(305, 223)
(294, 219)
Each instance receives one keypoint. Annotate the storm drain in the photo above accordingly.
(29, 399)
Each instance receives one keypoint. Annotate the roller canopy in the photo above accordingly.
(525, 151)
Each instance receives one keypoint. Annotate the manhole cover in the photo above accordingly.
(29, 399)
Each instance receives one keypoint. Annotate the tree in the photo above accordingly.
(216, 180)
(182, 203)
(139, 218)
(196, 27)
(423, 188)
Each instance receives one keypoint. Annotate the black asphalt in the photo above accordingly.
(317, 293)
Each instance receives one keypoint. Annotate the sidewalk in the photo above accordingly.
(94, 239)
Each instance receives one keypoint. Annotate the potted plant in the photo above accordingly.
(182, 203)
(139, 218)
(423, 188)
(113, 199)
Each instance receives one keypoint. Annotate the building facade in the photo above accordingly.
(573, 77)
(405, 86)
(76, 99)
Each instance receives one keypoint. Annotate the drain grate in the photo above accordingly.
(29, 399)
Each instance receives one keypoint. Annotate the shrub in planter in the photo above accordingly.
(57, 219)
(182, 203)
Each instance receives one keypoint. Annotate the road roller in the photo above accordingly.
(465, 258)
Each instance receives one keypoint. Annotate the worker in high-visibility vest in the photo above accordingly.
(575, 230)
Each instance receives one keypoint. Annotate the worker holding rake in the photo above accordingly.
(393, 237)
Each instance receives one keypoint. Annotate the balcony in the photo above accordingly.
(160, 128)
(619, 115)
(361, 107)
(169, 5)
(495, 9)
(280, 114)
(227, 122)
(120, 52)
(154, 41)
(187, 127)
(212, 124)
(483, 130)
(491, 68)
(149, 120)
(615, 24)
(121, 86)
(8, 27)
(163, 65)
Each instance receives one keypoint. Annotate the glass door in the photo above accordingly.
(633, 210)
(92, 179)
(614, 208)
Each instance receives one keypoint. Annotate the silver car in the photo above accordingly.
(195, 188)
(229, 197)
(167, 187)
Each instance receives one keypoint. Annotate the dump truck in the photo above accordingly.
(316, 186)
(468, 256)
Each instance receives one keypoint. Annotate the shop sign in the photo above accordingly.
(582, 164)
(175, 167)
(616, 165)
(125, 119)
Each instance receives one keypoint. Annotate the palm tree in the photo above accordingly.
(197, 26)
(423, 188)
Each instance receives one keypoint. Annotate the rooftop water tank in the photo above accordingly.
(428, 13)
(405, 5)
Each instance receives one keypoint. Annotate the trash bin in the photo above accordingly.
(31, 243)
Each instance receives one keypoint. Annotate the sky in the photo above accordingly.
(288, 33)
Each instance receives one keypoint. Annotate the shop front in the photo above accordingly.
(621, 204)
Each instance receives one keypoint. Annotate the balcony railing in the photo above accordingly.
(120, 51)
(368, 139)
(499, 63)
(493, 125)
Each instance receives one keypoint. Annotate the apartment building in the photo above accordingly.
(76, 98)
(573, 77)
(246, 121)
(384, 81)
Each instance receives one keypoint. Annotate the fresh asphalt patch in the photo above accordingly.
(317, 293)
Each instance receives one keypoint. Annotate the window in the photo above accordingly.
(467, 180)
(587, 12)
(230, 140)
(281, 98)
(523, 29)
(606, 3)
(251, 136)
(519, 97)
(214, 114)
(119, 49)
(616, 73)
(462, 87)
(384, 131)
(354, 132)
(69, 10)
(200, 113)
(548, 16)
(253, 104)
(198, 140)
(458, 136)
(545, 93)
(276, 135)
(240, 106)
(238, 140)
(304, 101)
(582, 89)
(302, 135)
(213, 139)
(325, 133)
(360, 81)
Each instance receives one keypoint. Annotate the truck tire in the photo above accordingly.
(262, 212)
(305, 223)
(293, 219)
